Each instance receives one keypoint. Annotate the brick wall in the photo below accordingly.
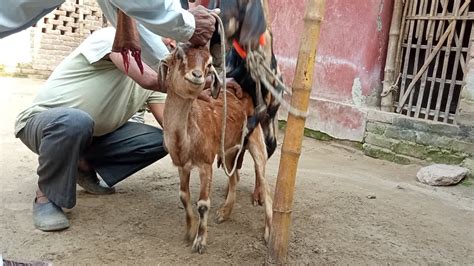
(59, 33)
(406, 140)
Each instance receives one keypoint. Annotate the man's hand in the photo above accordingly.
(232, 87)
(170, 43)
(205, 95)
(205, 26)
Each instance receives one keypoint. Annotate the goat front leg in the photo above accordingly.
(258, 151)
(224, 212)
(185, 197)
(204, 204)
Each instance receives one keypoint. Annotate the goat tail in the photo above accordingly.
(270, 137)
(270, 130)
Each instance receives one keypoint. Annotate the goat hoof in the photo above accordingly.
(199, 245)
(221, 216)
(256, 199)
(257, 202)
(266, 236)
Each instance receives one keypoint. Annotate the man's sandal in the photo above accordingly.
(49, 217)
(91, 183)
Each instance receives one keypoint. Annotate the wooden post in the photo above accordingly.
(390, 66)
(291, 149)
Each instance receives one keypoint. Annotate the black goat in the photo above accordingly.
(245, 28)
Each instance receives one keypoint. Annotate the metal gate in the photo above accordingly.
(432, 57)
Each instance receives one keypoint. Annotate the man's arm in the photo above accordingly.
(165, 18)
(149, 79)
(162, 17)
(157, 111)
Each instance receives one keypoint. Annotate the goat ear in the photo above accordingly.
(253, 24)
(179, 53)
(216, 83)
(163, 72)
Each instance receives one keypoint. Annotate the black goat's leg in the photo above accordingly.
(256, 146)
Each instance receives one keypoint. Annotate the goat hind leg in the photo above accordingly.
(257, 149)
(204, 204)
(263, 133)
(240, 161)
(259, 156)
(226, 209)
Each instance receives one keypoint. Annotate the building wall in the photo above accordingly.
(405, 140)
(348, 80)
(54, 37)
(349, 63)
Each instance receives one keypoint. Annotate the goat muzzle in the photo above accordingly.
(195, 80)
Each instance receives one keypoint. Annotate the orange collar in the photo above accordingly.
(240, 50)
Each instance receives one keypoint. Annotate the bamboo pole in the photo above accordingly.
(291, 149)
(390, 65)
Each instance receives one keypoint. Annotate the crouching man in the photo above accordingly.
(78, 125)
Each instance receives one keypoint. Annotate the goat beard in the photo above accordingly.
(127, 40)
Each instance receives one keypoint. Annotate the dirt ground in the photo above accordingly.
(334, 222)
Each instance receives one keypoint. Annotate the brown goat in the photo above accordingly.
(192, 133)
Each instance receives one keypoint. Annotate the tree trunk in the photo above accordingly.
(291, 149)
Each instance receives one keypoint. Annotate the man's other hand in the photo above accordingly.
(232, 87)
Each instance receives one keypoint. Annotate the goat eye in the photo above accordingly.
(209, 65)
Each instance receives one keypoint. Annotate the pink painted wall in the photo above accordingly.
(350, 61)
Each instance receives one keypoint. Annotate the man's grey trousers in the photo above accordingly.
(61, 136)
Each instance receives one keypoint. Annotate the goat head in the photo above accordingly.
(190, 66)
